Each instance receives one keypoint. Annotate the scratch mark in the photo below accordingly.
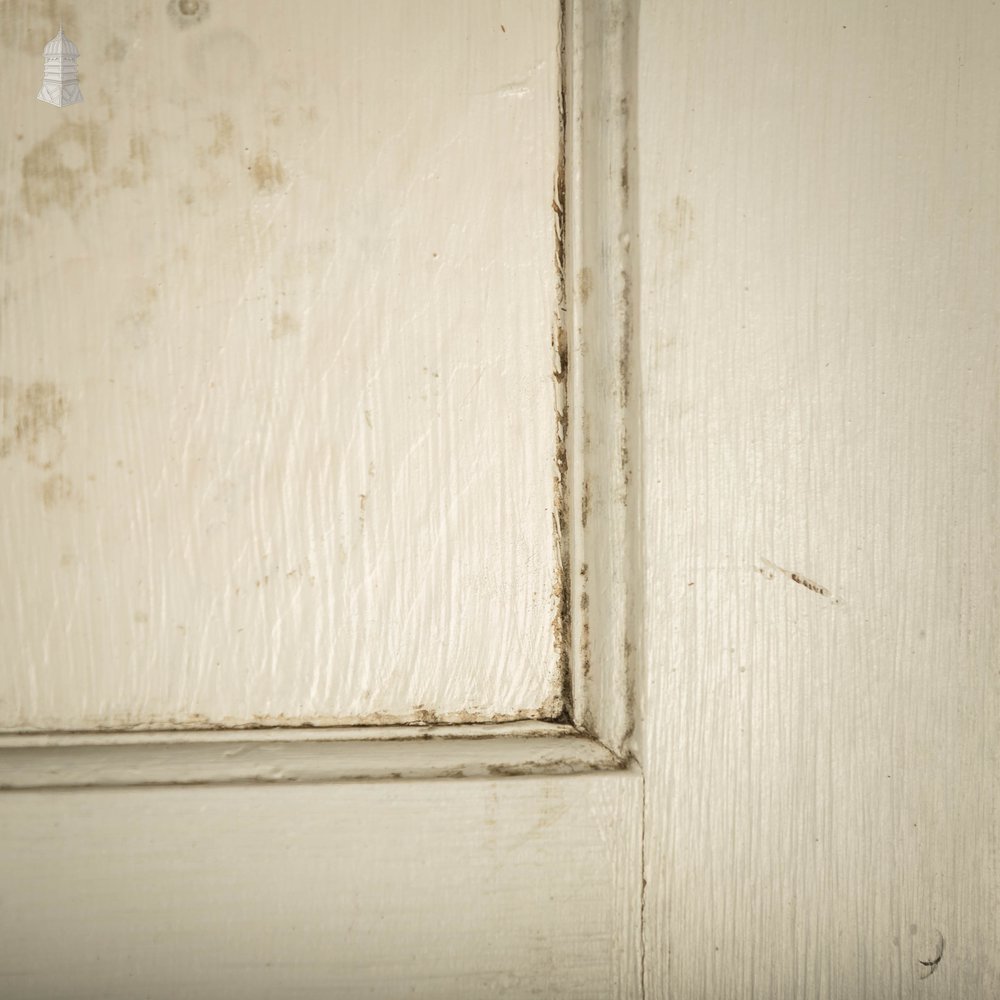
(932, 965)
(795, 578)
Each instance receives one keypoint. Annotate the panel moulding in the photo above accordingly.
(592, 341)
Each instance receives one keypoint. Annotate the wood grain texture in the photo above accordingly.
(277, 418)
(820, 227)
(525, 887)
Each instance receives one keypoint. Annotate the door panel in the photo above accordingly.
(520, 887)
(277, 418)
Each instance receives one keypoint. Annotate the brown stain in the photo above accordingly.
(116, 50)
(27, 26)
(284, 325)
(809, 585)
(506, 770)
(138, 152)
(679, 220)
(139, 319)
(59, 170)
(585, 280)
(187, 13)
(267, 172)
(57, 491)
(138, 166)
(224, 133)
(31, 422)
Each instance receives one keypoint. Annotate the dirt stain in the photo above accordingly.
(56, 171)
(284, 325)
(138, 152)
(267, 172)
(139, 160)
(224, 131)
(678, 221)
(31, 423)
(57, 491)
(186, 13)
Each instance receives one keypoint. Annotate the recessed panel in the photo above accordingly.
(278, 419)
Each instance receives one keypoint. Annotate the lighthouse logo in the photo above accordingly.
(60, 86)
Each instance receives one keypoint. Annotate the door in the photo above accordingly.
(657, 654)
(294, 391)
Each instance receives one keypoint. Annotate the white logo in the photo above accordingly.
(60, 86)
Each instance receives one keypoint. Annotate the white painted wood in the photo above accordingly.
(598, 276)
(346, 754)
(819, 222)
(277, 416)
(526, 886)
(812, 434)
(522, 887)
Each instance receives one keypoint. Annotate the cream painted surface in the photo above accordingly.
(812, 444)
(277, 413)
(523, 887)
(819, 222)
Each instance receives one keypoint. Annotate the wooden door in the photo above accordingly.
(298, 401)
(712, 549)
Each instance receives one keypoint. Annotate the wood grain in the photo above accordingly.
(819, 230)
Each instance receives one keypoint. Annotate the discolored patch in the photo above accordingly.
(31, 422)
(186, 13)
(283, 325)
(56, 491)
(59, 170)
(27, 26)
(138, 152)
(267, 172)
(116, 50)
(224, 131)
